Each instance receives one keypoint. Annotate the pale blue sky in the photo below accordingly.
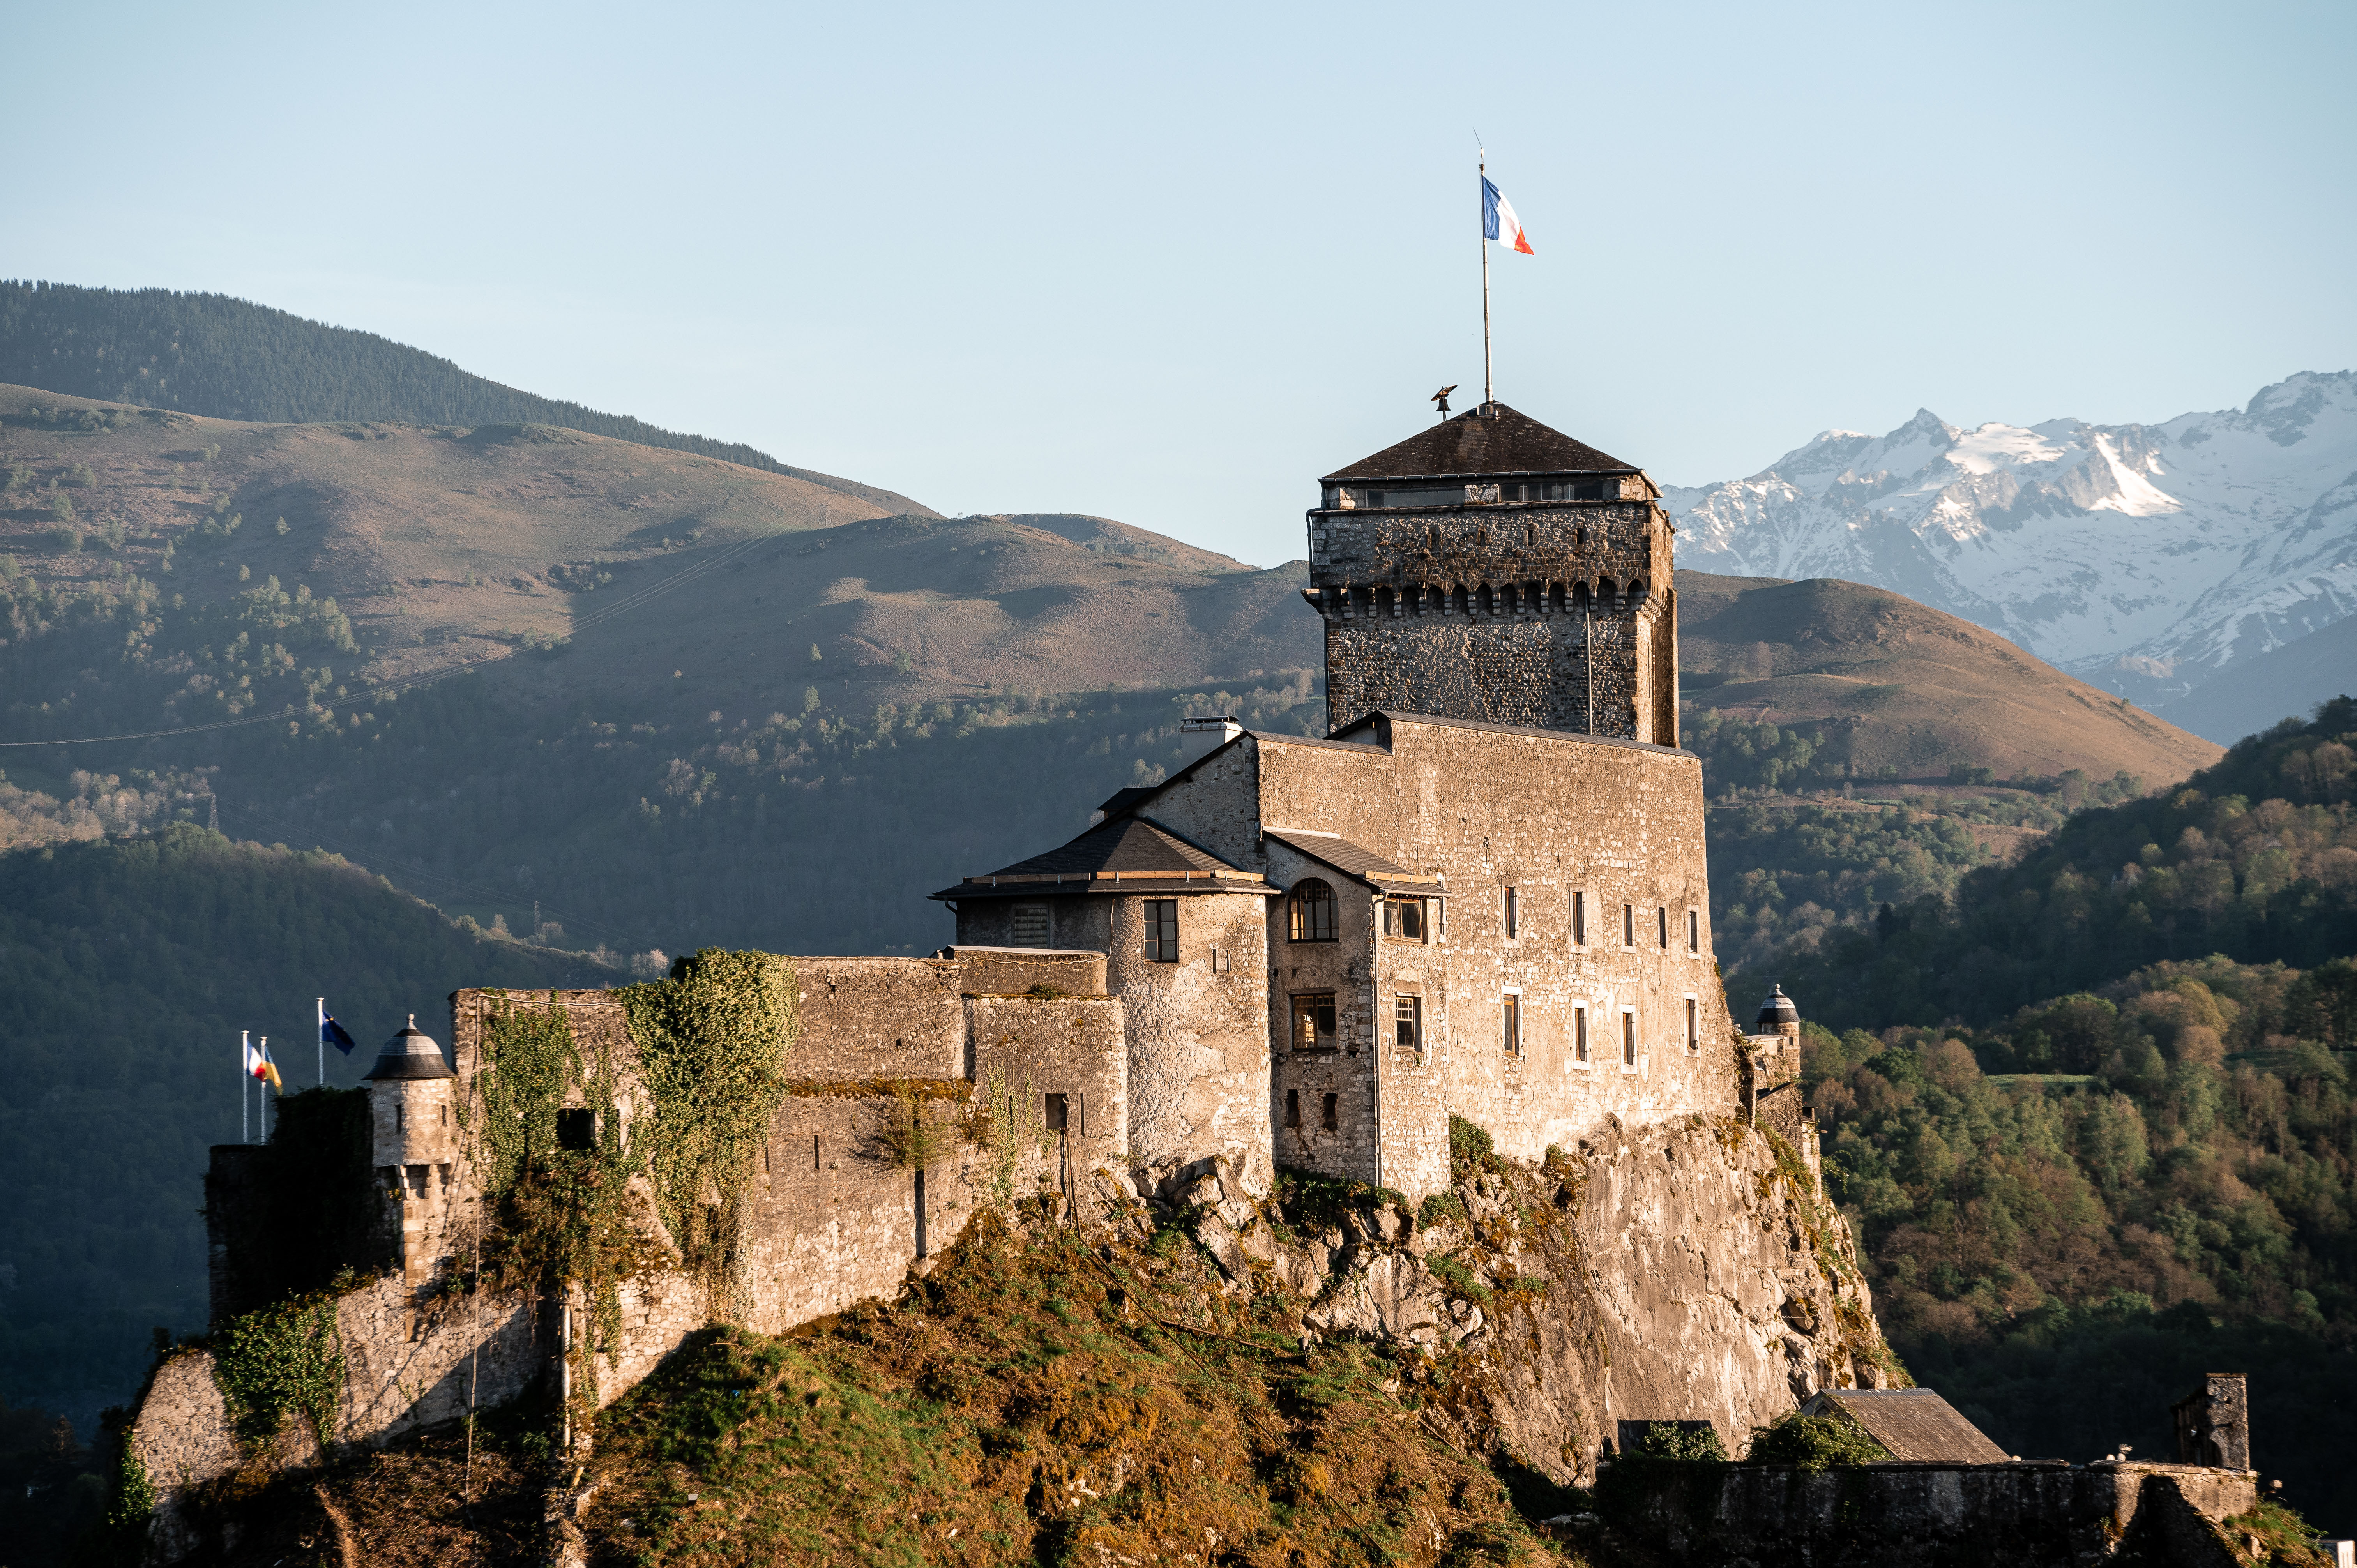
(1169, 266)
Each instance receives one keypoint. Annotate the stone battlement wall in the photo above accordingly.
(1556, 617)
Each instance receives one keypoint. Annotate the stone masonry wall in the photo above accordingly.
(1555, 617)
(1486, 809)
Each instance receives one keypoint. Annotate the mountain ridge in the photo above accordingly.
(226, 358)
(2148, 557)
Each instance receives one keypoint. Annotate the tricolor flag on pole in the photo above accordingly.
(258, 1064)
(1498, 222)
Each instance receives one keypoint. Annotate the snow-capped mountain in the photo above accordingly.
(2146, 558)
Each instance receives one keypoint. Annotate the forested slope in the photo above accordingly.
(2255, 858)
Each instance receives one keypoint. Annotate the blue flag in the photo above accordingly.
(332, 1034)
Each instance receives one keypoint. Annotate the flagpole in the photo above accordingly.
(264, 1117)
(322, 1033)
(245, 1124)
(1485, 276)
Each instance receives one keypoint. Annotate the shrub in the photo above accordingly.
(1813, 1443)
(1470, 1149)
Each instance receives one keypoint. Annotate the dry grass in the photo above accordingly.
(1034, 1404)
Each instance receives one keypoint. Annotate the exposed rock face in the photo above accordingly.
(1681, 1272)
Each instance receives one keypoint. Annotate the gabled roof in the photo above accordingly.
(1490, 439)
(1126, 855)
(1914, 1424)
(1359, 865)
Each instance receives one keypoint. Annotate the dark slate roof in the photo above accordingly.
(1121, 801)
(1358, 864)
(1478, 443)
(1915, 1425)
(1122, 855)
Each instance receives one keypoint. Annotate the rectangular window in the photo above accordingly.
(1057, 1112)
(1664, 913)
(1513, 1019)
(1514, 914)
(1403, 919)
(1313, 1021)
(1161, 929)
(577, 1130)
(1693, 1028)
(1579, 1036)
(1628, 925)
(1407, 1022)
(1329, 1121)
(1693, 930)
(1579, 919)
(1030, 926)
(1627, 1039)
(1293, 1108)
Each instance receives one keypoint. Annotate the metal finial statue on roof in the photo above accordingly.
(1441, 397)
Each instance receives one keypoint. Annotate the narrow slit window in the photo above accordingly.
(1627, 1039)
(1693, 1028)
(1330, 1120)
(1293, 1108)
(1579, 1035)
(1579, 919)
(1514, 914)
(1628, 925)
(1512, 1018)
(1693, 930)
(1664, 912)
(1161, 929)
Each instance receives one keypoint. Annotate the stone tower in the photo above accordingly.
(415, 1142)
(1493, 569)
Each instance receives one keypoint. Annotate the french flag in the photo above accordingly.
(1498, 222)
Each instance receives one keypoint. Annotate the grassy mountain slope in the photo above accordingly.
(126, 971)
(1900, 688)
(209, 354)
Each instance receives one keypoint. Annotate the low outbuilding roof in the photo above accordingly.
(1124, 855)
(1358, 864)
(1914, 1424)
(1492, 439)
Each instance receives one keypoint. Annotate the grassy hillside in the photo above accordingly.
(210, 354)
(1895, 689)
(126, 971)
(2255, 858)
(2113, 1193)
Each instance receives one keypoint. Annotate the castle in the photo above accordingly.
(1482, 897)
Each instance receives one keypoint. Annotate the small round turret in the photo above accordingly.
(409, 1105)
(1778, 1013)
(411, 1053)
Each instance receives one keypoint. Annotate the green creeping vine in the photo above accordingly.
(281, 1360)
(713, 1042)
(557, 1214)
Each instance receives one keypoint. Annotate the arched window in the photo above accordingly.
(1312, 910)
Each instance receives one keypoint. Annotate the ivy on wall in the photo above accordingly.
(713, 1041)
(281, 1361)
